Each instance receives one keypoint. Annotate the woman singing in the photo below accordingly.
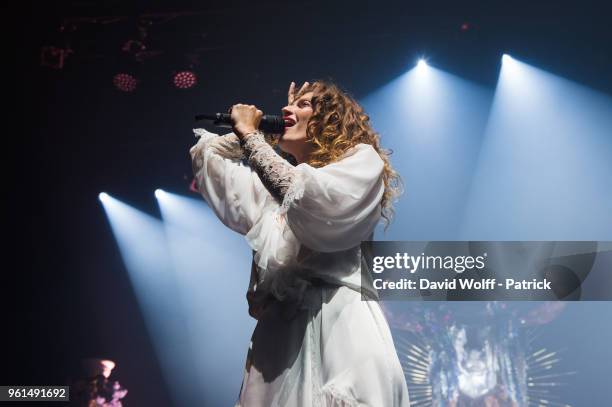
(321, 338)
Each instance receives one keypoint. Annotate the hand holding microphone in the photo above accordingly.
(268, 123)
(245, 119)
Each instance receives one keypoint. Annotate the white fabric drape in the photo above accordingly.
(317, 342)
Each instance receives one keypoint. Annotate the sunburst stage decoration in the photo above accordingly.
(477, 354)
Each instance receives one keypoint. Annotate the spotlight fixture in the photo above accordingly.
(159, 193)
(185, 79)
(422, 63)
(125, 82)
(103, 197)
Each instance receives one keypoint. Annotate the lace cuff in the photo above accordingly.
(276, 173)
(227, 146)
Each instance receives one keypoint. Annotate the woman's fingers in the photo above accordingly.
(245, 113)
(291, 94)
(304, 87)
(245, 119)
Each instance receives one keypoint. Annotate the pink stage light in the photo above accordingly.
(125, 82)
(185, 79)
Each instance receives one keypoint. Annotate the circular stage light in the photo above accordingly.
(185, 79)
(125, 82)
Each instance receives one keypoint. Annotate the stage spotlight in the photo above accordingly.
(141, 240)
(160, 193)
(185, 79)
(199, 248)
(543, 130)
(422, 64)
(429, 112)
(103, 197)
(511, 66)
(125, 82)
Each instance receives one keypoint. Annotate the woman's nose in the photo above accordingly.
(287, 110)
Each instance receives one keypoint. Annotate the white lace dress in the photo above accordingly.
(317, 342)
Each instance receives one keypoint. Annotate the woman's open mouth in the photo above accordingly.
(289, 122)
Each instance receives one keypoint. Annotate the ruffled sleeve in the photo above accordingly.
(231, 188)
(335, 207)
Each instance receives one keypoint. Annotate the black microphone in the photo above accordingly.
(269, 123)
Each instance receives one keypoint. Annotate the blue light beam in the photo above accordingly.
(545, 166)
(434, 122)
(142, 243)
(212, 266)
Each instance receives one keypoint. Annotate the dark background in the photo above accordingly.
(66, 289)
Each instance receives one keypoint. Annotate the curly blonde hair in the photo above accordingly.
(338, 123)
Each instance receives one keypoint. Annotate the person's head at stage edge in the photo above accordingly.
(326, 122)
